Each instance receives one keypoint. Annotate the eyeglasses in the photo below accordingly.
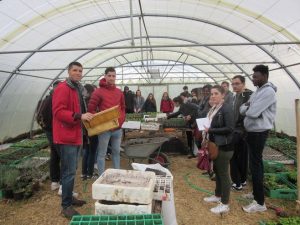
(235, 84)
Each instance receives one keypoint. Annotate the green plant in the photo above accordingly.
(292, 176)
(285, 221)
(10, 178)
(273, 182)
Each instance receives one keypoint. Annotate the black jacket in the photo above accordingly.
(221, 127)
(129, 101)
(149, 106)
(187, 109)
(240, 99)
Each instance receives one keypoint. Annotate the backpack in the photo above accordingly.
(44, 113)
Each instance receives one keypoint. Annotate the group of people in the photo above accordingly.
(137, 104)
(63, 110)
(239, 125)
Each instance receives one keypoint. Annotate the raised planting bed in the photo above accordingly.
(284, 145)
(174, 123)
(134, 116)
(143, 219)
(277, 186)
(17, 155)
(273, 167)
(32, 143)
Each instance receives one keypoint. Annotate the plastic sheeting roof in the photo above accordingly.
(217, 38)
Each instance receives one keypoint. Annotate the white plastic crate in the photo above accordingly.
(162, 189)
(124, 186)
(109, 209)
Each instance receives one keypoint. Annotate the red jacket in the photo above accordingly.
(65, 103)
(106, 97)
(166, 106)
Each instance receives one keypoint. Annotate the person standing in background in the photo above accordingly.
(150, 104)
(166, 104)
(228, 94)
(239, 160)
(259, 114)
(138, 101)
(129, 100)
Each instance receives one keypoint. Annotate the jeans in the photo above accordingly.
(115, 137)
(239, 161)
(221, 166)
(55, 175)
(256, 142)
(88, 159)
(69, 156)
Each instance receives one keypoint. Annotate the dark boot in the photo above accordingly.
(69, 212)
(77, 202)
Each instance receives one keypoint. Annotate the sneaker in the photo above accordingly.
(83, 176)
(244, 183)
(69, 212)
(77, 202)
(254, 207)
(220, 208)
(212, 198)
(60, 192)
(236, 188)
(54, 186)
(249, 196)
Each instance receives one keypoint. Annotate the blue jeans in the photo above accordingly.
(103, 139)
(256, 142)
(69, 156)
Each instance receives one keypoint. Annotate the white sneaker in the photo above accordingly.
(254, 207)
(244, 184)
(60, 192)
(54, 186)
(220, 208)
(248, 196)
(212, 198)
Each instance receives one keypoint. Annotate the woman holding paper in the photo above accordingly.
(220, 133)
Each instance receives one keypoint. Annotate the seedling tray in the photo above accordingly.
(143, 219)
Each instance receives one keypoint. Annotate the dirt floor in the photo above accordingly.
(189, 188)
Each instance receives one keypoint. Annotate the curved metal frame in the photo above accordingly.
(150, 15)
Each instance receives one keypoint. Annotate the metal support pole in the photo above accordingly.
(297, 108)
(131, 23)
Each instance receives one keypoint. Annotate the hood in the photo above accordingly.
(269, 84)
(103, 84)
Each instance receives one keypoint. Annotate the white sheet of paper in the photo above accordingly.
(132, 125)
(202, 123)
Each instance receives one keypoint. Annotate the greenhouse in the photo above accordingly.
(118, 107)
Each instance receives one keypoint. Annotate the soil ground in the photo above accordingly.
(189, 190)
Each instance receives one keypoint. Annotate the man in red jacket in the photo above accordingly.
(105, 97)
(68, 111)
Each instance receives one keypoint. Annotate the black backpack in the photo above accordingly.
(44, 114)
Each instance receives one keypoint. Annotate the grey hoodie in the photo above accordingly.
(260, 115)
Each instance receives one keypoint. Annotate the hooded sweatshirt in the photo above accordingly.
(260, 114)
(105, 97)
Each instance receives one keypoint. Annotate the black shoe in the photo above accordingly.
(205, 173)
(236, 188)
(77, 202)
(69, 212)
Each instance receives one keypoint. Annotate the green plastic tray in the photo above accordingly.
(142, 219)
(273, 167)
(290, 193)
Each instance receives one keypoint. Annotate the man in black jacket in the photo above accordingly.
(190, 113)
(239, 160)
(129, 100)
(44, 119)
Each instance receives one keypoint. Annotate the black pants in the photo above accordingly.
(239, 160)
(89, 155)
(256, 142)
(190, 141)
(55, 175)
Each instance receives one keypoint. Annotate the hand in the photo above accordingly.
(206, 129)
(187, 118)
(87, 116)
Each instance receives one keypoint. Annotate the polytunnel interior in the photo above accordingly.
(188, 42)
